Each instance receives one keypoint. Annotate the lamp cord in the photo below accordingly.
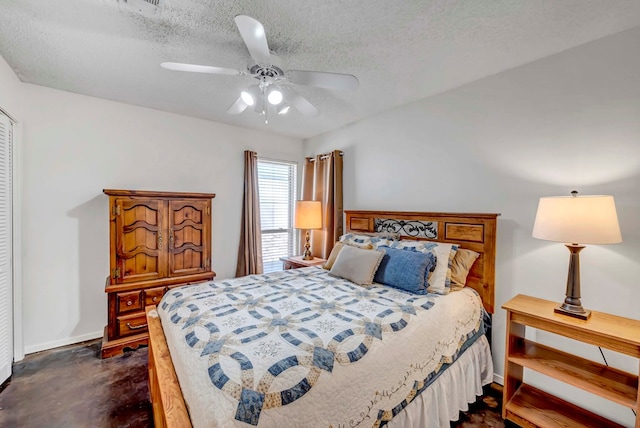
(603, 357)
(607, 364)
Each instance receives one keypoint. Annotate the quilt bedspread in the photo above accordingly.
(303, 348)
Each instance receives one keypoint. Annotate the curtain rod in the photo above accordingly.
(322, 156)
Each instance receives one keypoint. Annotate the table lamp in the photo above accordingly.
(576, 220)
(308, 216)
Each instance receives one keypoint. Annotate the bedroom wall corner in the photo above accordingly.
(10, 91)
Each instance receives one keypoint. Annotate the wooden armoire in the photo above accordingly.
(158, 240)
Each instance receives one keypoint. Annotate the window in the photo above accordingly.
(277, 188)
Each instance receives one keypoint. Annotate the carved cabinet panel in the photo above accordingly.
(188, 237)
(139, 249)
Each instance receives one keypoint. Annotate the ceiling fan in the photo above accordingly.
(274, 82)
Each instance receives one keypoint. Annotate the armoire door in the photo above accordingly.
(6, 249)
(141, 240)
(189, 233)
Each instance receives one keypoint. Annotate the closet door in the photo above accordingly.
(6, 274)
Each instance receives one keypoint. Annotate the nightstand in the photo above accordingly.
(529, 406)
(296, 262)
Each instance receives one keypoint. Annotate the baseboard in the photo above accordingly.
(63, 342)
(498, 379)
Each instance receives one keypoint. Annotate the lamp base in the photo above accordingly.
(307, 253)
(580, 312)
(572, 306)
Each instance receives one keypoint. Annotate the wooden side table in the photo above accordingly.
(296, 262)
(528, 406)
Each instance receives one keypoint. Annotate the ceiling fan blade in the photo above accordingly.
(254, 37)
(321, 79)
(177, 66)
(237, 107)
(299, 102)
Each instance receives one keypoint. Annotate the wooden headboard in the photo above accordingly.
(475, 232)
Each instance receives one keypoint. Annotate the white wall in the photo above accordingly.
(10, 91)
(75, 146)
(570, 121)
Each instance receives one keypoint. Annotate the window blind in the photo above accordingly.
(277, 191)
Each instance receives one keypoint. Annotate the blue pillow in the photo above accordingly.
(406, 270)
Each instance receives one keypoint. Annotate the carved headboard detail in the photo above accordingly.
(473, 231)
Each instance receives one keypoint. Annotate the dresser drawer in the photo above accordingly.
(128, 302)
(152, 296)
(132, 324)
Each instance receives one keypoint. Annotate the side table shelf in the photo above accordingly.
(529, 406)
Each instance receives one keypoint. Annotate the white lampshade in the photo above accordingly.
(577, 220)
(308, 215)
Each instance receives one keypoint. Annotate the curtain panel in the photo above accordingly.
(322, 181)
(250, 248)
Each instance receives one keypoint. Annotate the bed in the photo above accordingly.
(307, 348)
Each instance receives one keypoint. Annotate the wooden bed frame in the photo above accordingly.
(475, 232)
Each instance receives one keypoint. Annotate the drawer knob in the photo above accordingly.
(129, 303)
(154, 298)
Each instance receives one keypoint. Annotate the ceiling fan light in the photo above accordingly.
(247, 98)
(275, 97)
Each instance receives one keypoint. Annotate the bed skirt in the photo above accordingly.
(452, 392)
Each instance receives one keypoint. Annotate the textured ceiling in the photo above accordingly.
(401, 51)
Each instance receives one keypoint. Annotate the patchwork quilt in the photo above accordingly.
(303, 348)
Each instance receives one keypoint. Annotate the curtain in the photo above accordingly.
(250, 249)
(322, 181)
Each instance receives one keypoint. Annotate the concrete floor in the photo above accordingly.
(72, 387)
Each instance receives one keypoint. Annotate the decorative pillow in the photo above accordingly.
(440, 278)
(389, 235)
(406, 270)
(336, 250)
(333, 255)
(357, 265)
(363, 245)
(447, 253)
(421, 246)
(461, 265)
(365, 241)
